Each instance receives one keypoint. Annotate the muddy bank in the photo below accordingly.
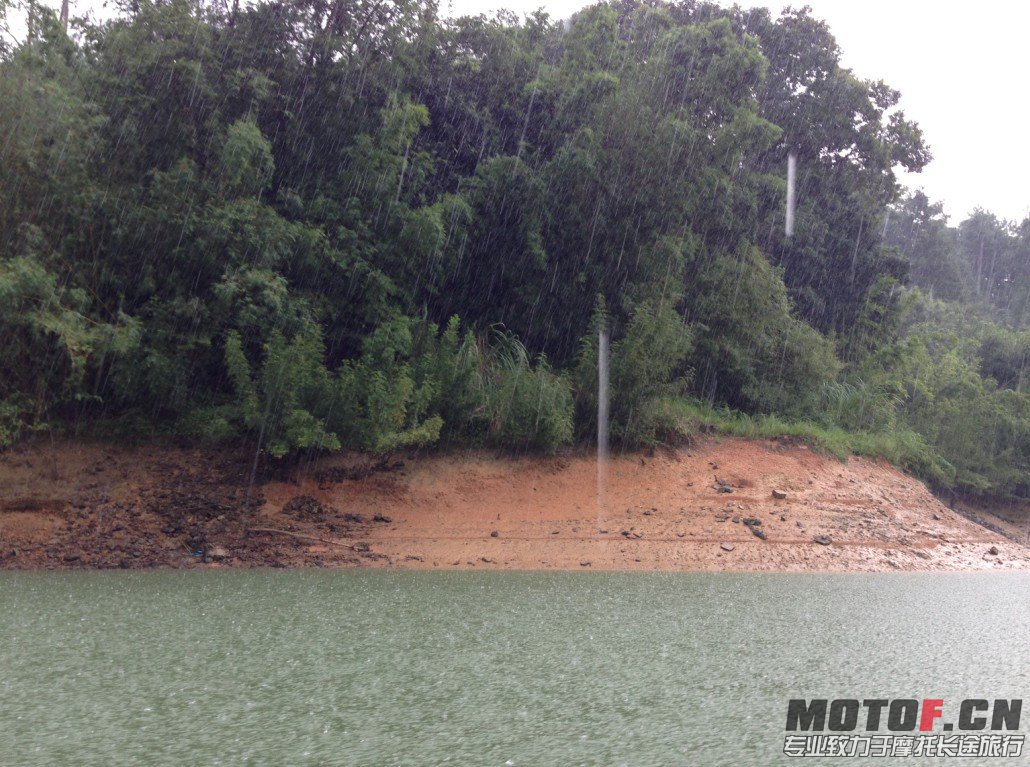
(723, 505)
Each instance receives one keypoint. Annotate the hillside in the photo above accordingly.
(73, 505)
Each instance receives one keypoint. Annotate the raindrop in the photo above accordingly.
(792, 161)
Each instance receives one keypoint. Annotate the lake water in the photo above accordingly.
(455, 668)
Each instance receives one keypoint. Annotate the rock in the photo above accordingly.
(993, 551)
(779, 494)
(494, 534)
(937, 517)
(304, 507)
(736, 520)
(823, 540)
(752, 521)
(758, 533)
(723, 489)
(381, 518)
(727, 546)
(584, 564)
(216, 553)
(783, 518)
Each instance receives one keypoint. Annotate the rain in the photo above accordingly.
(458, 330)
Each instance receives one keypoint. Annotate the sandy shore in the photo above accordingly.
(723, 505)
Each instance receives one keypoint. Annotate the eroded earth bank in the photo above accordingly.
(720, 505)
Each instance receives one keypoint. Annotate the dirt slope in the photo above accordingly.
(73, 504)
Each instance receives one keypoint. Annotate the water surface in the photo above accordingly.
(456, 668)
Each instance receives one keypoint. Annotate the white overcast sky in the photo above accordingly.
(960, 68)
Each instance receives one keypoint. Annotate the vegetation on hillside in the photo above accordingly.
(356, 224)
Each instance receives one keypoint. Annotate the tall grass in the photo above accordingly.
(901, 447)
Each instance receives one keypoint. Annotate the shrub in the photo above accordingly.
(646, 366)
(524, 405)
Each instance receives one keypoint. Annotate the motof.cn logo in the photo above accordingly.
(984, 727)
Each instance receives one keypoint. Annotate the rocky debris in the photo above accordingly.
(727, 546)
(305, 507)
(993, 551)
(759, 533)
(215, 554)
(779, 494)
(823, 540)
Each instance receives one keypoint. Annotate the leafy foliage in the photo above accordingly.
(265, 220)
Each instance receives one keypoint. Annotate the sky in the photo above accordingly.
(960, 71)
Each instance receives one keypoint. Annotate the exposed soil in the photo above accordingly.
(723, 505)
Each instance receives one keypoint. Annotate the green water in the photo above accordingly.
(417, 668)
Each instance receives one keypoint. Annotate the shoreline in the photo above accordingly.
(724, 505)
